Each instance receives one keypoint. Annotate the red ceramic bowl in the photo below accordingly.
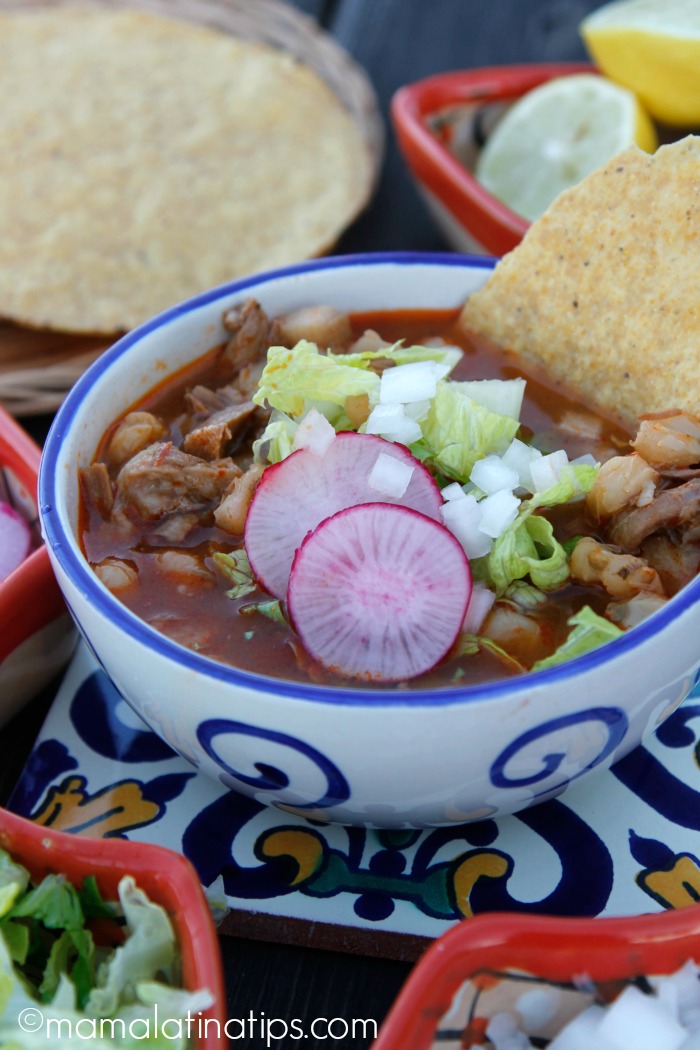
(484, 964)
(435, 121)
(166, 877)
(37, 635)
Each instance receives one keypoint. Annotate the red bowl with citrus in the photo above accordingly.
(440, 123)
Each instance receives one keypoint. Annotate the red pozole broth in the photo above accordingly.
(173, 584)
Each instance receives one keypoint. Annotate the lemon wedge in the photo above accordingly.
(653, 48)
(557, 134)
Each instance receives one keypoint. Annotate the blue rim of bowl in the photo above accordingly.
(61, 541)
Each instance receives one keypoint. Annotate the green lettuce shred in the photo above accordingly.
(576, 480)
(471, 644)
(272, 610)
(51, 967)
(402, 355)
(236, 568)
(528, 546)
(589, 631)
(459, 430)
(277, 439)
(293, 381)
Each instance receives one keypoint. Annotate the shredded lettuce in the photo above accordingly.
(526, 548)
(13, 882)
(69, 981)
(589, 632)
(471, 644)
(295, 380)
(277, 439)
(402, 355)
(460, 430)
(576, 480)
(272, 610)
(236, 568)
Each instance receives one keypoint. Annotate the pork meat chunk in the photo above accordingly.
(170, 489)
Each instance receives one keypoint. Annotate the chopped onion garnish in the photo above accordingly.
(491, 474)
(390, 476)
(667, 1018)
(586, 460)
(453, 491)
(519, 457)
(638, 1020)
(417, 410)
(498, 512)
(416, 381)
(503, 1032)
(314, 432)
(392, 423)
(547, 470)
(463, 517)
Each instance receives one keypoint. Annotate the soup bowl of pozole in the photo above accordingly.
(350, 561)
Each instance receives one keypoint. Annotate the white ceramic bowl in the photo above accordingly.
(389, 759)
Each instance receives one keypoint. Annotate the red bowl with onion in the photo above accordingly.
(567, 983)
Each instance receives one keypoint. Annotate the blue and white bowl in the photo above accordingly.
(372, 757)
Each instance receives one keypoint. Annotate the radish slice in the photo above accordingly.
(15, 539)
(379, 592)
(294, 496)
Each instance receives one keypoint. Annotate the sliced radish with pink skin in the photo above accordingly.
(294, 496)
(15, 539)
(379, 592)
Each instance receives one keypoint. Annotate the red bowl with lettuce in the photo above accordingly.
(103, 928)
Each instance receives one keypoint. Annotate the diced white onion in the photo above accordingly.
(314, 433)
(519, 457)
(538, 1005)
(392, 423)
(480, 605)
(639, 1021)
(586, 460)
(503, 1032)
(684, 987)
(417, 410)
(462, 518)
(389, 475)
(453, 491)
(665, 1019)
(547, 470)
(491, 474)
(582, 1033)
(411, 382)
(498, 512)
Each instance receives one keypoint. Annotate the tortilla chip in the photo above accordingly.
(602, 292)
(145, 159)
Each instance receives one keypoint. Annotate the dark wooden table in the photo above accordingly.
(396, 41)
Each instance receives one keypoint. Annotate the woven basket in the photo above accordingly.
(37, 368)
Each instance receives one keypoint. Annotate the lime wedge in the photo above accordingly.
(557, 134)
